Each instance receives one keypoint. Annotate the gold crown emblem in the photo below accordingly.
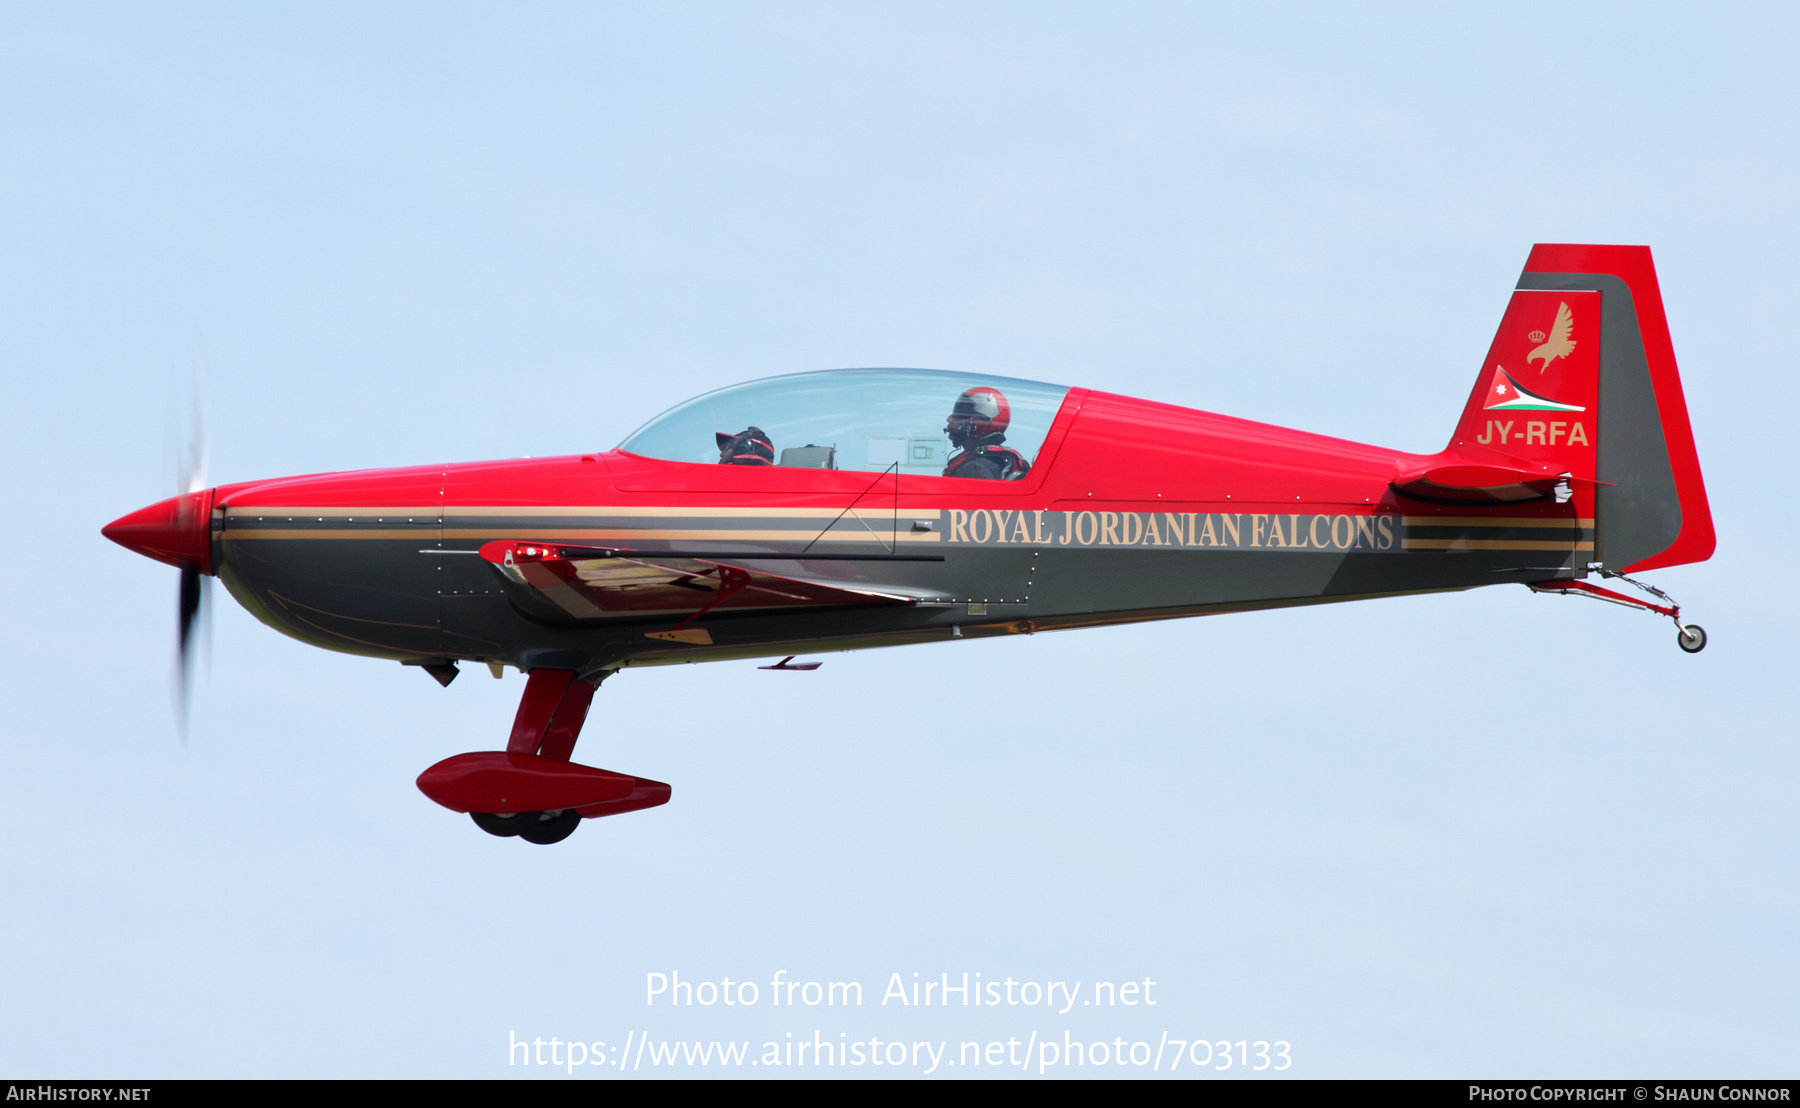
(1536, 336)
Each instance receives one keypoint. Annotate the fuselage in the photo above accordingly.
(1132, 510)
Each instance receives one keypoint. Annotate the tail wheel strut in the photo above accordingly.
(1690, 637)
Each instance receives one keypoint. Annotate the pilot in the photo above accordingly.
(749, 447)
(977, 427)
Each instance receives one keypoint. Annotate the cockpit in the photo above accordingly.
(914, 421)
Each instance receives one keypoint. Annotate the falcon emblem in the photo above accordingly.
(1559, 344)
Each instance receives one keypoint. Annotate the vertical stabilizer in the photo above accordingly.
(1581, 380)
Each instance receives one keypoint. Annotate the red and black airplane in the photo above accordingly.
(878, 507)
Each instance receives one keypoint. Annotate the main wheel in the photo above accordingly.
(545, 828)
(1691, 638)
(503, 826)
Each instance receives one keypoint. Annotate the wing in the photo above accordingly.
(592, 583)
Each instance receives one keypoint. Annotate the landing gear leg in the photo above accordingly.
(531, 790)
(551, 713)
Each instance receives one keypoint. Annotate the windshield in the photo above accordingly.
(862, 419)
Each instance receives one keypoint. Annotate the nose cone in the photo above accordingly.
(177, 531)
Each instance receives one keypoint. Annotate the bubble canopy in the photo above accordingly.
(856, 419)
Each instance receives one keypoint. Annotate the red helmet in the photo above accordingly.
(980, 411)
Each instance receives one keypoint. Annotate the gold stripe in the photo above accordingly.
(601, 511)
(232, 534)
(429, 511)
(1492, 544)
(573, 533)
(844, 534)
(1490, 521)
(591, 511)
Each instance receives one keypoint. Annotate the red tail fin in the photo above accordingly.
(1581, 380)
(1537, 398)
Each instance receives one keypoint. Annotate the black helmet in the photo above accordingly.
(749, 447)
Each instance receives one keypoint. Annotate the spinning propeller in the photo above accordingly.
(194, 595)
(178, 531)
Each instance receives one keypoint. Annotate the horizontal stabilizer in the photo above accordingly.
(1449, 480)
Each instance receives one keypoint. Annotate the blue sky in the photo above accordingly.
(1488, 833)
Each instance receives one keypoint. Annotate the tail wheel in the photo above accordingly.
(545, 828)
(1691, 638)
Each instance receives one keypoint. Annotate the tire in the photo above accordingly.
(503, 826)
(1691, 638)
(549, 827)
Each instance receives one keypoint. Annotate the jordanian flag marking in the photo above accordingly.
(1505, 394)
